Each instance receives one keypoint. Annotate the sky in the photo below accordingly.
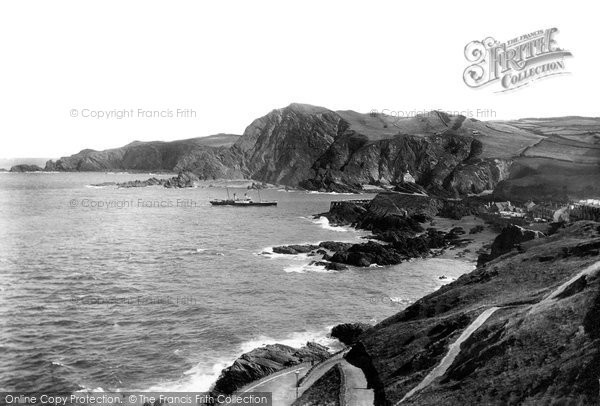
(225, 63)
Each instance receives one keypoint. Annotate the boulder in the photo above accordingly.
(295, 249)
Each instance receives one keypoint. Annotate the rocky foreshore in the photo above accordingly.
(264, 361)
(393, 248)
(402, 229)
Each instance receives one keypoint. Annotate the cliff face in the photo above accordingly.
(430, 159)
(536, 340)
(282, 146)
(321, 149)
(25, 168)
(210, 157)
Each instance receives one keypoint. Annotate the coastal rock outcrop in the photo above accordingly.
(540, 346)
(348, 333)
(281, 146)
(395, 246)
(182, 180)
(25, 168)
(210, 157)
(264, 361)
(510, 237)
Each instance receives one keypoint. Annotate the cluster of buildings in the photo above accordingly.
(588, 209)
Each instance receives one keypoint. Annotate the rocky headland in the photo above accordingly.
(25, 168)
(343, 151)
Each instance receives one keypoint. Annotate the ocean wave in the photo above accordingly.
(96, 186)
(201, 378)
(304, 268)
(196, 379)
(303, 256)
(295, 340)
(324, 223)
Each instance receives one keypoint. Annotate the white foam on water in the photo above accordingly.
(199, 378)
(295, 340)
(304, 268)
(324, 223)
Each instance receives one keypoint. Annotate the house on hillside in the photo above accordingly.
(499, 207)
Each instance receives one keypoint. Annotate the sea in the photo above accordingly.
(122, 289)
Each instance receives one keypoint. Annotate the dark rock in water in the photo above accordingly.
(400, 248)
(295, 249)
(25, 168)
(368, 253)
(182, 180)
(510, 237)
(348, 333)
(105, 184)
(264, 361)
(141, 183)
(335, 245)
(332, 266)
(347, 214)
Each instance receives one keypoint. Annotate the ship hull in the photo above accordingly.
(241, 204)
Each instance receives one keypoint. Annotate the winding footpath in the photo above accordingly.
(453, 351)
(590, 270)
(454, 348)
(282, 384)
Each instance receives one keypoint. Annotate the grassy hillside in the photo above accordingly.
(534, 350)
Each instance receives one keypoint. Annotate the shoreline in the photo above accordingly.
(466, 253)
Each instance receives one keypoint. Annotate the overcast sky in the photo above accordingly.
(233, 61)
